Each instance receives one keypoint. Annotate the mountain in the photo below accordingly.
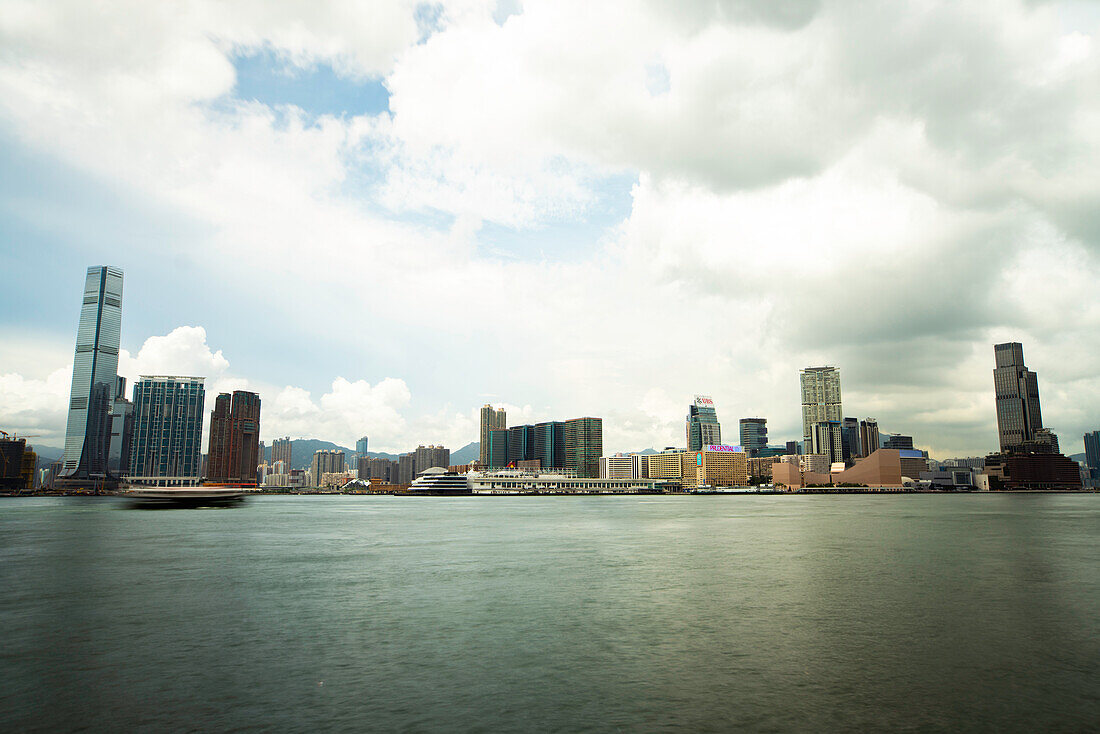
(1079, 458)
(302, 450)
(466, 454)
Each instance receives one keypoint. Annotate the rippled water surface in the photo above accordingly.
(934, 612)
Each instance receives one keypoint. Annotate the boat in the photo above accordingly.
(166, 497)
(437, 480)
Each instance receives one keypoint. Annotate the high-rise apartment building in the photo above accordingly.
(820, 399)
(827, 439)
(868, 436)
(754, 435)
(703, 428)
(166, 445)
(491, 420)
(1017, 394)
(326, 461)
(361, 447)
(95, 375)
(406, 468)
(429, 456)
(584, 446)
(234, 438)
(280, 451)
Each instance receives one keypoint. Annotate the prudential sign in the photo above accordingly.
(728, 449)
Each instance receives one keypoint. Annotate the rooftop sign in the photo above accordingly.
(723, 447)
(704, 401)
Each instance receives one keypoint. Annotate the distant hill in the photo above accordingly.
(466, 454)
(1079, 458)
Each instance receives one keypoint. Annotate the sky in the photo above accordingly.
(382, 215)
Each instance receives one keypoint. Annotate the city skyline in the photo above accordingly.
(678, 168)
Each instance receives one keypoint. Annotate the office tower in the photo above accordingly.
(490, 420)
(549, 444)
(898, 441)
(326, 461)
(584, 446)
(1092, 449)
(122, 430)
(849, 429)
(166, 445)
(95, 374)
(702, 427)
(820, 398)
(868, 436)
(521, 444)
(234, 438)
(498, 448)
(794, 448)
(280, 451)
(361, 447)
(428, 456)
(1017, 394)
(827, 439)
(754, 435)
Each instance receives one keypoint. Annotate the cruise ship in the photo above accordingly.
(437, 480)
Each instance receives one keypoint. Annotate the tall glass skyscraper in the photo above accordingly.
(361, 447)
(1017, 392)
(754, 435)
(95, 374)
(703, 428)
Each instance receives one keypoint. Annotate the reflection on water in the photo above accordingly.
(693, 613)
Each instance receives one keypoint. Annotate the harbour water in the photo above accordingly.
(801, 613)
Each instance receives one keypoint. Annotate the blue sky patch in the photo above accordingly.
(267, 77)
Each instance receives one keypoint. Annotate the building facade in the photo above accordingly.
(431, 456)
(584, 446)
(702, 426)
(166, 444)
(1092, 449)
(1017, 394)
(326, 461)
(821, 399)
(95, 376)
(361, 447)
(498, 448)
(754, 435)
(122, 431)
(233, 452)
(280, 451)
(827, 439)
(491, 420)
(868, 436)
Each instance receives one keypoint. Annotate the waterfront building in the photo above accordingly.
(361, 447)
(234, 438)
(913, 463)
(619, 466)
(754, 435)
(1016, 389)
(1045, 441)
(584, 445)
(868, 436)
(498, 448)
(815, 463)
(95, 377)
(717, 466)
(166, 445)
(428, 456)
(898, 441)
(280, 451)
(760, 467)
(17, 463)
(438, 480)
(971, 462)
(535, 482)
(1032, 471)
(702, 427)
(491, 419)
(1092, 449)
(549, 444)
(122, 431)
(827, 439)
(821, 399)
(520, 443)
(326, 461)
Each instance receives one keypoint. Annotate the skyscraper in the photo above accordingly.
(280, 451)
(754, 435)
(122, 431)
(95, 373)
(361, 447)
(1092, 449)
(868, 436)
(497, 445)
(820, 399)
(849, 429)
(1017, 393)
(827, 439)
(429, 456)
(327, 461)
(234, 438)
(703, 428)
(166, 446)
(584, 446)
(490, 420)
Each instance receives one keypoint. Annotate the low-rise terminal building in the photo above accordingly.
(520, 482)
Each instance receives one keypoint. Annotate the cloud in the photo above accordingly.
(34, 407)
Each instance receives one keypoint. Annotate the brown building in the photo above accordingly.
(1032, 471)
(234, 438)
